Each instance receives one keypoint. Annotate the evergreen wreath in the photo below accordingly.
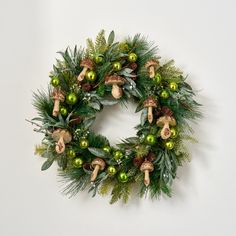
(82, 83)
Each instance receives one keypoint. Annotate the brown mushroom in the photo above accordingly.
(115, 81)
(58, 96)
(61, 136)
(165, 122)
(97, 165)
(146, 167)
(151, 66)
(150, 102)
(86, 64)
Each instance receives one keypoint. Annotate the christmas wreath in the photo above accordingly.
(82, 83)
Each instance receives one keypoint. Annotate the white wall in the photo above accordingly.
(199, 35)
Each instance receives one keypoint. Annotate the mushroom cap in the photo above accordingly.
(87, 63)
(147, 165)
(57, 94)
(58, 133)
(150, 102)
(163, 119)
(114, 79)
(151, 63)
(100, 162)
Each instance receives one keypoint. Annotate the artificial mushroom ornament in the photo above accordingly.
(146, 167)
(151, 66)
(97, 164)
(165, 122)
(61, 136)
(150, 103)
(115, 81)
(86, 64)
(58, 96)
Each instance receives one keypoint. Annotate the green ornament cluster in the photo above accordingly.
(106, 73)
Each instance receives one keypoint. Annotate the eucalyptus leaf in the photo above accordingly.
(47, 164)
(111, 38)
(107, 102)
(98, 152)
(88, 122)
(144, 116)
(95, 105)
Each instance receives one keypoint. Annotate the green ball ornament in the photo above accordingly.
(150, 139)
(99, 59)
(157, 79)
(173, 86)
(91, 76)
(55, 82)
(173, 132)
(106, 149)
(71, 98)
(63, 111)
(123, 177)
(118, 155)
(78, 162)
(83, 143)
(164, 94)
(71, 153)
(111, 170)
(169, 145)
(116, 66)
(132, 57)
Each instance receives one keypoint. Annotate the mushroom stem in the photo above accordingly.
(60, 146)
(146, 177)
(116, 91)
(150, 116)
(55, 111)
(165, 132)
(82, 74)
(95, 173)
(151, 72)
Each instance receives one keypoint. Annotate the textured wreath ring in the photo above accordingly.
(82, 83)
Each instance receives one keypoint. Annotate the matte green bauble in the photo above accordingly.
(164, 94)
(173, 132)
(123, 177)
(71, 98)
(116, 66)
(157, 79)
(106, 149)
(169, 145)
(83, 143)
(99, 59)
(78, 162)
(63, 111)
(111, 170)
(132, 57)
(173, 86)
(91, 76)
(150, 139)
(71, 153)
(118, 155)
(55, 82)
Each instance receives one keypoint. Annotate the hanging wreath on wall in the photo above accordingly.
(82, 83)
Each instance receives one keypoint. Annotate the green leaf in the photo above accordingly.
(144, 116)
(98, 152)
(95, 105)
(88, 122)
(107, 102)
(47, 164)
(111, 38)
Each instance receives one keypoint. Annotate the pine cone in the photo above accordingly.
(75, 120)
(166, 111)
(87, 87)
(137, 161)
(151, 157)
(133, 66)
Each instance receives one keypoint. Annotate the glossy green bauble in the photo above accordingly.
(71, 98)
(83, 143)
(71, 153)
(173, 86)
(111, 170)
(169, 145)
(157, 79)
(91, 76)
(174, 132)
(78, 162)
(123, 177)
(63, 111)
(55, 82)
(99, 59)
(150, 139)
(164, 94)
(118, 155)
(132, 57)
(106, 149)
(116, 66)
